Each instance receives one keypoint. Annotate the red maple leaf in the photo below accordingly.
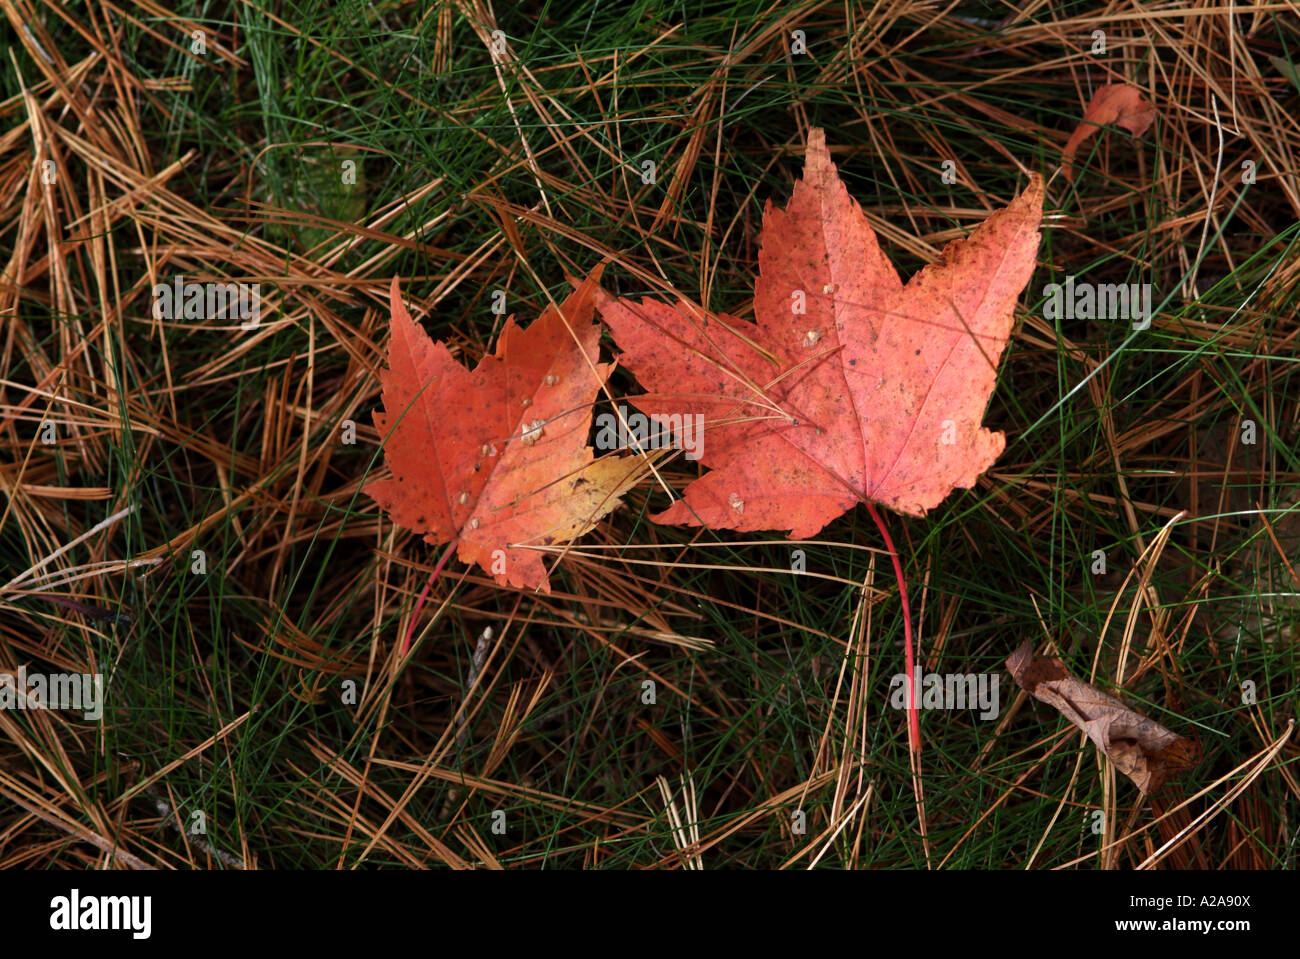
(495, 459)
(850, 386)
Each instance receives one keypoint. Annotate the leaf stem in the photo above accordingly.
(913, 716)
(424, 594)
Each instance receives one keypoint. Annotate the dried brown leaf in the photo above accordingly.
(1140, 748)
(1116, 103)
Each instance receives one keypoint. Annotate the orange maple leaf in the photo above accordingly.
(496, 458)
(1116, 103)
(850, 387)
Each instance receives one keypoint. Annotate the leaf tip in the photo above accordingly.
(396, 308)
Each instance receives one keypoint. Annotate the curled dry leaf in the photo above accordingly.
(1116, 103)
(851, 386)
(496, 457)
(1140, 748)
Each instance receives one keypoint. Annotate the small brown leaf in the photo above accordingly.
(1140, 748)
(1116, 103)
